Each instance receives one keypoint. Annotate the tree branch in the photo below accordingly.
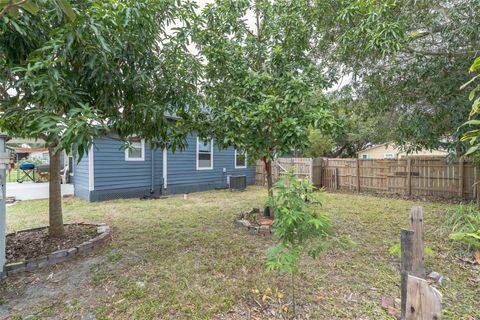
(439, 53)
(10, 6)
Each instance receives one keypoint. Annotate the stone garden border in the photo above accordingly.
(103, 236)
(244, 224)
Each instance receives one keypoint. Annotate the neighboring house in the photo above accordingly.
(109, 172)
(24, 153)
(390, 151)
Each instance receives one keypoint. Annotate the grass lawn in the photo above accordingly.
(184, 259)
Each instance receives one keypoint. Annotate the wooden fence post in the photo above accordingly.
(406, 237)
(311, 170)
(409, 176)
(423, 301)
(460, 177)
(417, 225)
(336, 178)
(358, 175)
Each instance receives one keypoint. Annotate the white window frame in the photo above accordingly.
(142, 158)
(211, 155)
(388, 156)
(364, 156)
(240, 167)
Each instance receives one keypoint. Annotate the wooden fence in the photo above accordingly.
(302, 167)
(427, 177)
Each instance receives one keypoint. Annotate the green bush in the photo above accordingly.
(464, 225)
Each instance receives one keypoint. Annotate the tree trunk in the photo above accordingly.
(268, 170)
(55, 195)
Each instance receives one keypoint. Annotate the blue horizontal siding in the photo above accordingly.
(114, 177)
(182, 167)
(80, 178)
(112, 171)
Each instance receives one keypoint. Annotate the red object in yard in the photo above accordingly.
(265, 222)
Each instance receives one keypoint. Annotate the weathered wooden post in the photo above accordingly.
(418, 227)
(4, 160)
(423, 301)
(460, 177)
(406, 237)
(409, 176)
(358, 175)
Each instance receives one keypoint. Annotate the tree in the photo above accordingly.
(260, 80)
(295, 226)
(319, 144)
(356, 128)
(409, 59)
(116, 67)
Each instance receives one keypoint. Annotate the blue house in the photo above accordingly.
(110, 172)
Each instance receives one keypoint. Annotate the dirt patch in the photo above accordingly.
(27, 245)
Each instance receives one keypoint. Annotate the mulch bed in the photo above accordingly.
(26, 245)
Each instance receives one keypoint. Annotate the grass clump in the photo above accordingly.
(464, 226)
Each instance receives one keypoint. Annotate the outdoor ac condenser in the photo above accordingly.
(237, 183)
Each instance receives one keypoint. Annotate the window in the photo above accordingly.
(364, 156)
(136, 151)
(70, 165)
(204, 154)
(240, 159)
(388, 156)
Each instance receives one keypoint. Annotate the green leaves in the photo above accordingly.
(473, 135)
(111, 69)
(408, 63)
(259, 80)
(30, 6)
(295, 225)
(66, 8)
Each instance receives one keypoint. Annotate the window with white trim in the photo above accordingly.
(240, 158)
(364, 156)
(136, 150)
(204, 154)
(388, 156)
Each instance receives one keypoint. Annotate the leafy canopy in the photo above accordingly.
(473, 135)
(116, 67)
(260, 79)
(409, 59)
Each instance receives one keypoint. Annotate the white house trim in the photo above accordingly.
(165, 168)
(142, 158)
(91, 170)
(240, 167)
(211, 156)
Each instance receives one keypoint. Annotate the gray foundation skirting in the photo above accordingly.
(102, 237)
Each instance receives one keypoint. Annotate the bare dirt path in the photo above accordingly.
(67, 285)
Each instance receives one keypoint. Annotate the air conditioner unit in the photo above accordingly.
(237, 183)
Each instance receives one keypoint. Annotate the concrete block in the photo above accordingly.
(14, 266)
(57, 256)
(72, 252)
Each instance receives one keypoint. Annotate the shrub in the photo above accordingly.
(294, 225)
(464, 225)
